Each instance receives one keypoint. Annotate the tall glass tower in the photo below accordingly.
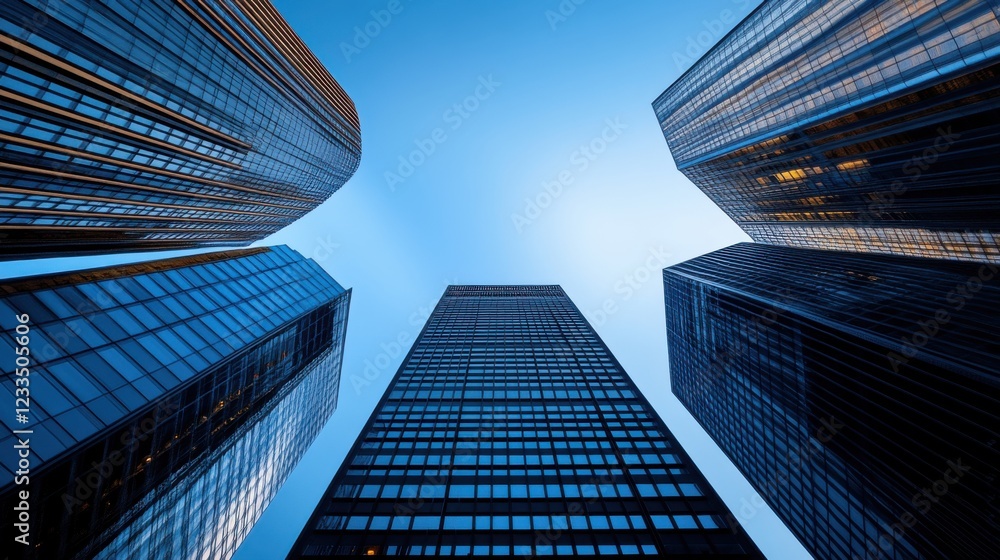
(858, 393)
(167, 400)
(511, 430)
(161, 124)
(860, 126)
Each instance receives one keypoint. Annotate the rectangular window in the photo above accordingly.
(458, 522)
(425, 522)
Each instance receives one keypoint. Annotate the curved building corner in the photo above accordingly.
(165, 124)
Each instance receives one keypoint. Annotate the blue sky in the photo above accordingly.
(503, 143)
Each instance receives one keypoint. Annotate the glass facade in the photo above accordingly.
(169, 399)
(857, 392)
(161, 124)
(511, 430)
(859, 126)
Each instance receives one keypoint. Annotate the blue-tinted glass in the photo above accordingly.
(47, 395)
(108, 327)
(425, 523)
(157, 349)
(125, 320)
(121, 364)
(77, 382)
(118, 290)
(685, 522)
(77, 424)
(662, 522)
(55, 303)
(105, 408)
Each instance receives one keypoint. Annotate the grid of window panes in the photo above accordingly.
(207, 511)
(796, 369)
(966, 245)
(162, 124)
(511, 430)
(140, 370)
(819, 123)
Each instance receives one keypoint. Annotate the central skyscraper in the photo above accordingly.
(511, 430)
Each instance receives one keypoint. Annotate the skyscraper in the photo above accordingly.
(168, 400)
(858, 393)
(858, 126)
(511, 430)
(161, 124)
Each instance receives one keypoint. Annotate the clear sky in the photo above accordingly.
(503, 143)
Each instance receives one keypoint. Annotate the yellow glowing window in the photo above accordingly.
(852, 165)
(791, 175)
(792, 216)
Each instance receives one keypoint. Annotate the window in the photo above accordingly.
(685, 522)
(599, 522)
(662, 522)
(357, 523)
(521, 522)
(425, 522)
(690, 490)
(710, 521)
(458, 522)
(667, 490)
